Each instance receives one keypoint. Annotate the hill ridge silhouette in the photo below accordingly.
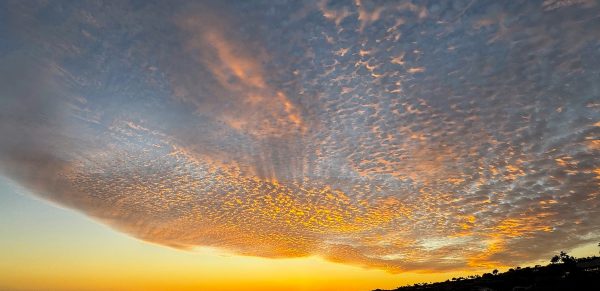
(564, 272)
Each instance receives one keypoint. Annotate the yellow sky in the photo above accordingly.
(47, 247)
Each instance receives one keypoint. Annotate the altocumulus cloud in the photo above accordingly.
(395, 135)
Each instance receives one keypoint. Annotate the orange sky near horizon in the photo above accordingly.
(45, 246)
(48, 247)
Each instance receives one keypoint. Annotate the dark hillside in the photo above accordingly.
(563, 273)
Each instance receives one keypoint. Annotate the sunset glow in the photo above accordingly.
(297, 145)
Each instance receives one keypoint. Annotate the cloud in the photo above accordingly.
(252, 104)
(452, 139)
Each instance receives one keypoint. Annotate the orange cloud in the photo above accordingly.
(243, 81)
(270, 135)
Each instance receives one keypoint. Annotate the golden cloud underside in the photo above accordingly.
(365, 134)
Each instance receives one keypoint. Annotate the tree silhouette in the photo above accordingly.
(566, 259)
(495, 272)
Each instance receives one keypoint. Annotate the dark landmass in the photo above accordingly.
(563, 273)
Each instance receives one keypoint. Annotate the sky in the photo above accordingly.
(292, 144)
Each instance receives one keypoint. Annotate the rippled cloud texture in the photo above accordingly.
(429, 135)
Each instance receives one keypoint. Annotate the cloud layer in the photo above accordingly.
(395, 135)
